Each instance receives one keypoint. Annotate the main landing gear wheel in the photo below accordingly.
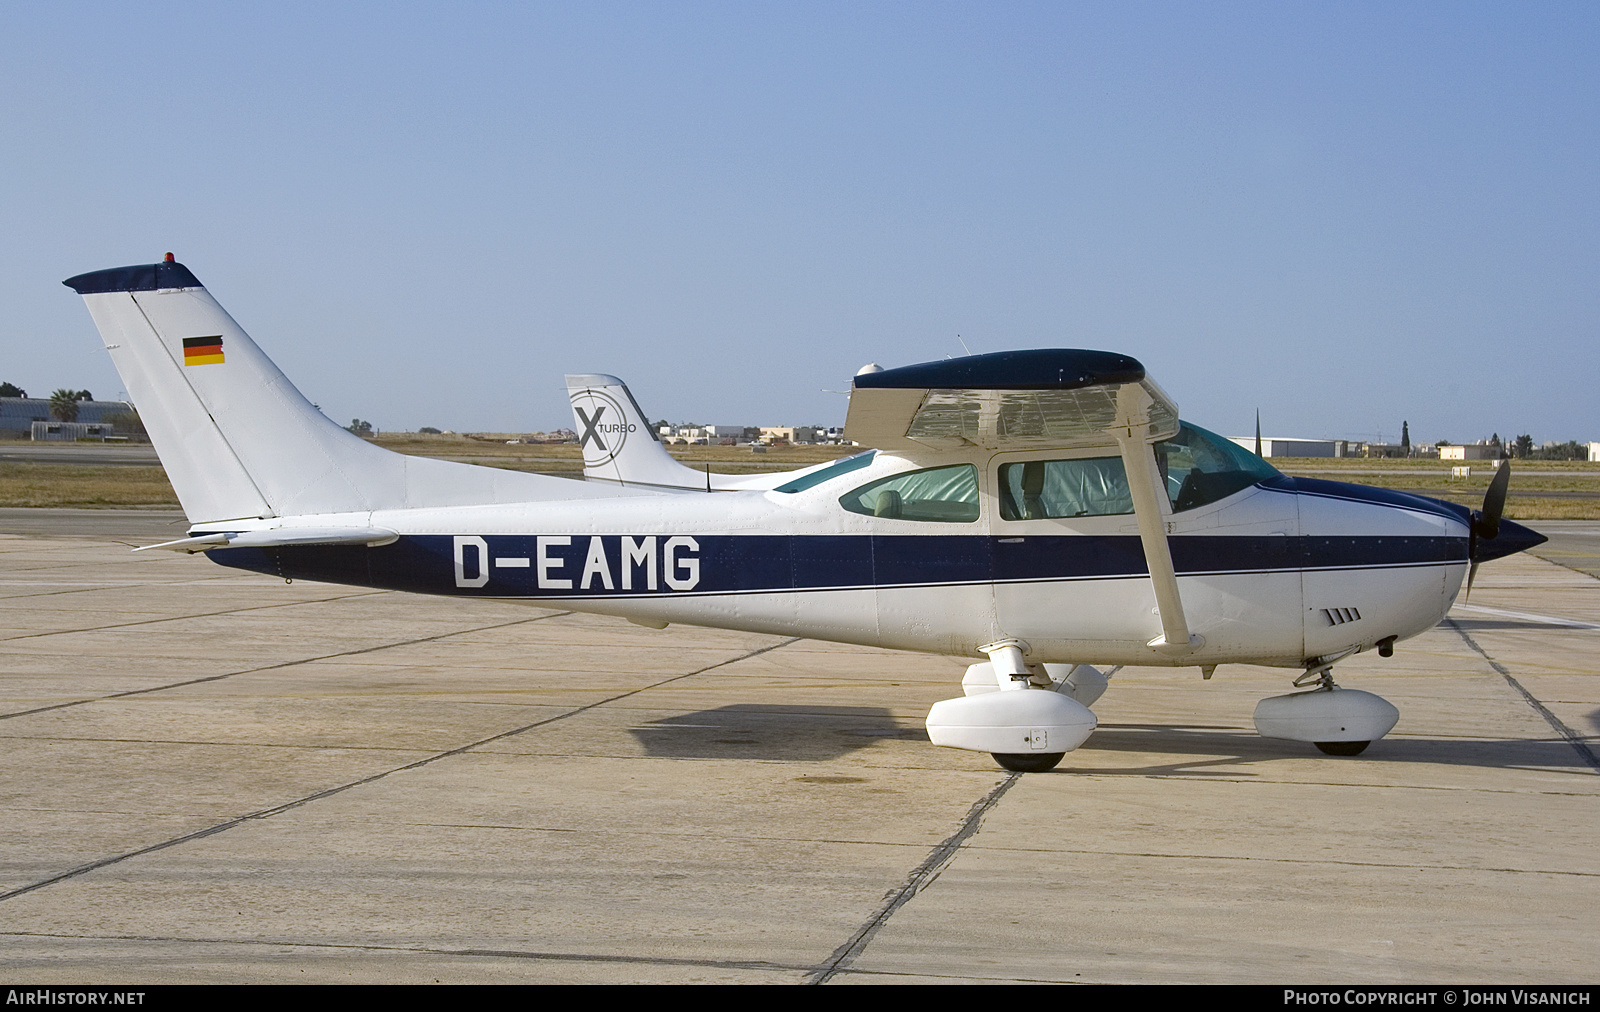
(1032, 762)
(1343, 747)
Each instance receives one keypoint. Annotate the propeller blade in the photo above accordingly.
(1494, 500)
(1485, 524)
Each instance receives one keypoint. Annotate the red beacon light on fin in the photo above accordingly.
(169, 258)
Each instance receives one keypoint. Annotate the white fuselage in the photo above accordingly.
(1270, 575)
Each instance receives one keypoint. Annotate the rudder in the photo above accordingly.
(619, 444)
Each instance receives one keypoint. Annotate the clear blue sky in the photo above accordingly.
(1343, 214)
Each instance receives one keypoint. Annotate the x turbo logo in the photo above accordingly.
(604, 424)
(589, 424)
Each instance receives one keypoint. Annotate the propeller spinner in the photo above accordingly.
(1487, 525)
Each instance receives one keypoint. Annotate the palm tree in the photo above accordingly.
(64, 405)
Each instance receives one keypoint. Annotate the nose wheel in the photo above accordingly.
(1030, 762)
(1342, 747)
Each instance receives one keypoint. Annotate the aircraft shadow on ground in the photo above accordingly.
(798, 733)
(1501, 624)
(1198, 750)
(794, 733)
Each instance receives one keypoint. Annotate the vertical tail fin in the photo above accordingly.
(620, 446)
(619, 443)
(237, 439)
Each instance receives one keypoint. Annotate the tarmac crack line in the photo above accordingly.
(1318, 862)
(562, 957)
(1309, 862)
(185, 618)
(1573, 738)
(284, 664)
(90, 587)
(920, 878)
(267, 813)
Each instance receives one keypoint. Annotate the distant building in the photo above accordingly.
(1470, 451)
(785, 434)
(70, 432)
(699, 435)
(19, 413)
(731, 435)
(1594, 451)
(1385, 450)
(1280, 446)
(702, 435)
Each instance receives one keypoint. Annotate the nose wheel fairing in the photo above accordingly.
(1338, 721)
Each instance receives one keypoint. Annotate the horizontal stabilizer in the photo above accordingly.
(280, 537)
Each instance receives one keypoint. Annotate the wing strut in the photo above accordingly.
(1145, 482)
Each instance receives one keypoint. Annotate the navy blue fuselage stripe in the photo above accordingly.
(736, 564)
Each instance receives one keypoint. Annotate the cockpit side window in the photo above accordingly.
(1202, 467)
(943, 495)
(1048, 489)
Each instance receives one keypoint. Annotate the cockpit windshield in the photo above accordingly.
(1203, 467)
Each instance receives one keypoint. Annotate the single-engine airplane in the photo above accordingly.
(1044, 509)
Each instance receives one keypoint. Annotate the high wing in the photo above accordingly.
(1067, 399)
(1012, 400)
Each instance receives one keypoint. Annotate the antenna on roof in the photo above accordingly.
(1258, 432)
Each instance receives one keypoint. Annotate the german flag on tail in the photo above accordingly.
(202, 350)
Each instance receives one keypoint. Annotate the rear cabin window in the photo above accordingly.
(1048, 489)
(941, 495)
(844, 465)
